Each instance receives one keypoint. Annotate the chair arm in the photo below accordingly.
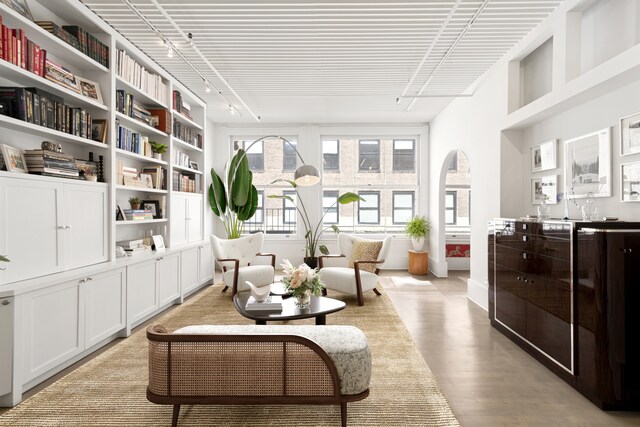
(236, 263)
(273, 258)
(356, 264)
(322, 257)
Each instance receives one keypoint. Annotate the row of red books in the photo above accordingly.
(16, 48)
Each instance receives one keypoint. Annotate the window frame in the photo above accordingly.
(286, 208)
(454, 209)
(362, 142)
(251, 156)
(336, 154)
(336, 207)
(412, 193)
(394, 154)
(363, 194)
(453, 164)
(286, 156)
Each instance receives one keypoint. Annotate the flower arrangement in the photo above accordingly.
(298, 280)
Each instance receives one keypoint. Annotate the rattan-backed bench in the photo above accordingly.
(256, 364)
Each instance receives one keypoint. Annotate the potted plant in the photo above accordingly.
(312, 234)
(235, 200)
(418, 228)
(158, 149)
(134, 202)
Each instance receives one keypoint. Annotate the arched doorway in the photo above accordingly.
(455, 215)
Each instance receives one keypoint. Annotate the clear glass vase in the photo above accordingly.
(543, 211)
(303, 301)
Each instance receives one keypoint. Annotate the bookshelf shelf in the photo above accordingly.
(125, 153)
(182, 144)
(185, 120)
(144, 99)
(63, 51)
(187, 170)
(187, 193)
(142, 221)
(137, 125)
(26, 78)
(141, 189)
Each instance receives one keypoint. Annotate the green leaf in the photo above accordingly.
(323, 249)
(335, 228)
(241, 183)
(349, 198)
(249, 209)
(277, 196)
(4, 258)
(217, 194)
(307, 234)
(291, 183)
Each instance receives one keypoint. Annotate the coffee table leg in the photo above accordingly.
(321, 319)
(261, 322)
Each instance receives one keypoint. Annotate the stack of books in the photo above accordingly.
(187, 134)
(149, 83)
(137, 214)
(51, 163)
(133, 247)
(181, 106)
(60, 33)
(89, 45)
(17, 49)
(272, 303)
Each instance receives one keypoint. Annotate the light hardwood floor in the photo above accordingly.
(488, 380)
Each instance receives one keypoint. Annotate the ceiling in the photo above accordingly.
(321, 61)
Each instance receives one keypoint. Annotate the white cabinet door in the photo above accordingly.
(30, 214)
(6, 348)
(105, 305)
(142, 296)
(178, 220)
(168, 273)
(189, 269)
(194, 218)
(53, 327)
(85, 211)
(206, 264)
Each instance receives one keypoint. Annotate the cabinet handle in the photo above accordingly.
(6, 302)
(627, 251)
(64, 227)
(524, 226)
(524, 256)
(83, 280)
(159, 259)
(90, 278)
(524, 238)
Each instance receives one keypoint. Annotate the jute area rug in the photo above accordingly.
(110, 389)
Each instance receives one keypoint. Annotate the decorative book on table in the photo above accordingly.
(272, 303)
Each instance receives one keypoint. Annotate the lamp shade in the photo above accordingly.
(307, 175)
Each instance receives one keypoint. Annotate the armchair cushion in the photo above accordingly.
(259, 275)
(365, 250)
(342, 279)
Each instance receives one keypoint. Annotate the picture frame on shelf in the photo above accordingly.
(20, 6)
(158, 243)
(154, 207)
(193, 165)
(544, 186)
(58, 74)
(14, 159)
(630, 134)
(90, 89)
(587, 165)
(147, 180)
(99, 130)
(87, 169)
(544, 156)
(630, 182)
(120, 216)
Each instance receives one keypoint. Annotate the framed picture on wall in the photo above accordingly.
(545, 187)
(630, 134)
(543, 156)
(587, 165)
(630, 182)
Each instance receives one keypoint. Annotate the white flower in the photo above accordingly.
(287, 267)
(309, 273)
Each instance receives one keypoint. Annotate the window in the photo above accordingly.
(330, 155)
(453, 166)
(255, 155)
(331, 206)
(256, 222)
(369, 159)
(289, 156)
(369, 209)
(403, 206)
(290, 214)
(404, 155)
(450, 207)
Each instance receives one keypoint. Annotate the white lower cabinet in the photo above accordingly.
(53, 330)
(189, 265)
(186, 219)
(168, 277)
(105, 305)
(6, 338)
(206, 264)
(142, 293)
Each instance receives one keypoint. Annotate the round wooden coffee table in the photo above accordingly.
(319, 308)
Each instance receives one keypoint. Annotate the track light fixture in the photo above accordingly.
(169, 52)
(190, 39)
(207, 87)
(232, 110)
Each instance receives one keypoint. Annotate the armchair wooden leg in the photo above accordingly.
(176, 412)
(359, 287)
(343, 413)
(225, 288)
(377, 291)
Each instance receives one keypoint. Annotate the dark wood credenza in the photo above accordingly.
(568, 293)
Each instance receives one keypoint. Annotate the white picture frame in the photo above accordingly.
(158, 242)
(90, 89)
(147, 180)
(547, 185)
(544, 156)
(630, 182)
(630, 134)
(14, 159)
(587, 165)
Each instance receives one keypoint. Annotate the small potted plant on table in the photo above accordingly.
(158, 149)
(134, 202)
(418, 228)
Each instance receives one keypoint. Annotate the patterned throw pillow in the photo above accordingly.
(365, 250)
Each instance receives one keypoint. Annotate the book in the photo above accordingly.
(272, 303)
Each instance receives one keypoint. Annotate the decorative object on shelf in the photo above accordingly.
(193, 165)
(14, 159)
(153, 206)
(418, 228)
(100, 168)
(544, 188)
(88, 169)
(49, 146)
(134, 202)
(543, 209)
(630, 134)
(301, 282)
(120, 216)
(61, 76)
(147, 180)
(158, 243)
(90, 89)
(259, 293)
(99, 130)
(589, 209)
(630, 182)
(158, 149)
(543, 156)
(21, 7)
(587, 164)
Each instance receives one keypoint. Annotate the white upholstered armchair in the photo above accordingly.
(235, 257)
(362, 261)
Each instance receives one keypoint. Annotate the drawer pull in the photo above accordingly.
(524, 256)
(524, 226)
(160, 259)
(525, 238)
(6, 302)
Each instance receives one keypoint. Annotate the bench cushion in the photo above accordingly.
(347, 346)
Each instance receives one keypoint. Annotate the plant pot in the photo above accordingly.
(311, 261)
(418, 243)
(157, 156)
(135, 206)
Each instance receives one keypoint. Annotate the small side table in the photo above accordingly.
(418, 262)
